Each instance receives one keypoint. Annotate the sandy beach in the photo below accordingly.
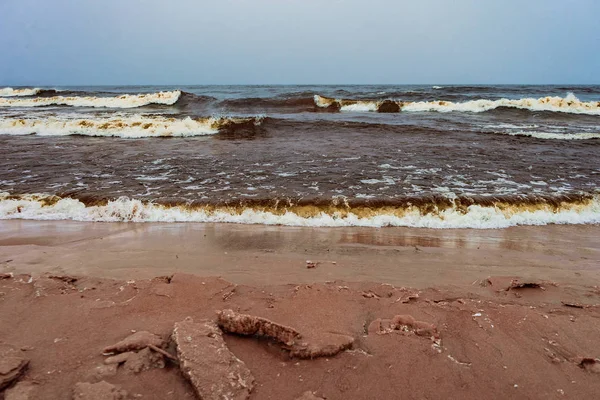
(509, 313)
(275, 255)
(299, 201)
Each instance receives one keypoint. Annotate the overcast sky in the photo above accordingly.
(79, 42)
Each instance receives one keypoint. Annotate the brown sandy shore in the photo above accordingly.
(482, 314)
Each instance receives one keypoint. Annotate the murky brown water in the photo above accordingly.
(295, 156)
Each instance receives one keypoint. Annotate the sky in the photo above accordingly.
(138, 42)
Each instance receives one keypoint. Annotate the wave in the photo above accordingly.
(10, 92)
(143, 126)
(486, 215)
(190, 99)
(122, 101)
(568, 104)
(301, 103)
(554, 136)
(134, 126)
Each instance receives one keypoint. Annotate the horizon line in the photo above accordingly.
(297, 84)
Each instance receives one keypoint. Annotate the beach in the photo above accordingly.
(512, 312)
(299, 242)
(264, 200)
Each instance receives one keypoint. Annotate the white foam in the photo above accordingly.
(125, 209)
(10, 92)
(568, 104)
(387, 166)
(511, 126)
(386, 179)
(534, 131)
(361, 106)
(323, 102)
(437, 87)
(134, 126)
(356, 106)
(122, 101)
(555, 136)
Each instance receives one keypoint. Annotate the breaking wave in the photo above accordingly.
(10, 92)
(569, 104)
(134, 126)
(484, 216)
(122, 101)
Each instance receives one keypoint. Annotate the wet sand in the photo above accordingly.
(70, 289)
(259, 255)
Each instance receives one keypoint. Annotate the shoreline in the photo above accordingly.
(430, 212)
(255, 254)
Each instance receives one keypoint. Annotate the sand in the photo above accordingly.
(493, 338)
(267, 255)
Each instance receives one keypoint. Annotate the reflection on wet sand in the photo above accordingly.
(277, 255)
(456, 239)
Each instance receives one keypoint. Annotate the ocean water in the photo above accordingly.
(424, 156)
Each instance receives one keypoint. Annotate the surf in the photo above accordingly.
(10, 92)
(569, 104)
(121, 101)
(133, 126)
(447, 215)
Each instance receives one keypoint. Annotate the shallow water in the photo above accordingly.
(301, 155)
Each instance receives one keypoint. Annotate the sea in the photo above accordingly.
(431, 156)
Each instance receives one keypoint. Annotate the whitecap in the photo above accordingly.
(121, 101)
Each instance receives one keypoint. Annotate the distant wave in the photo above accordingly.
(134, 126)
(302, 103)
(10, 92)
(568, 104)
(121, 101)
(487, 215)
